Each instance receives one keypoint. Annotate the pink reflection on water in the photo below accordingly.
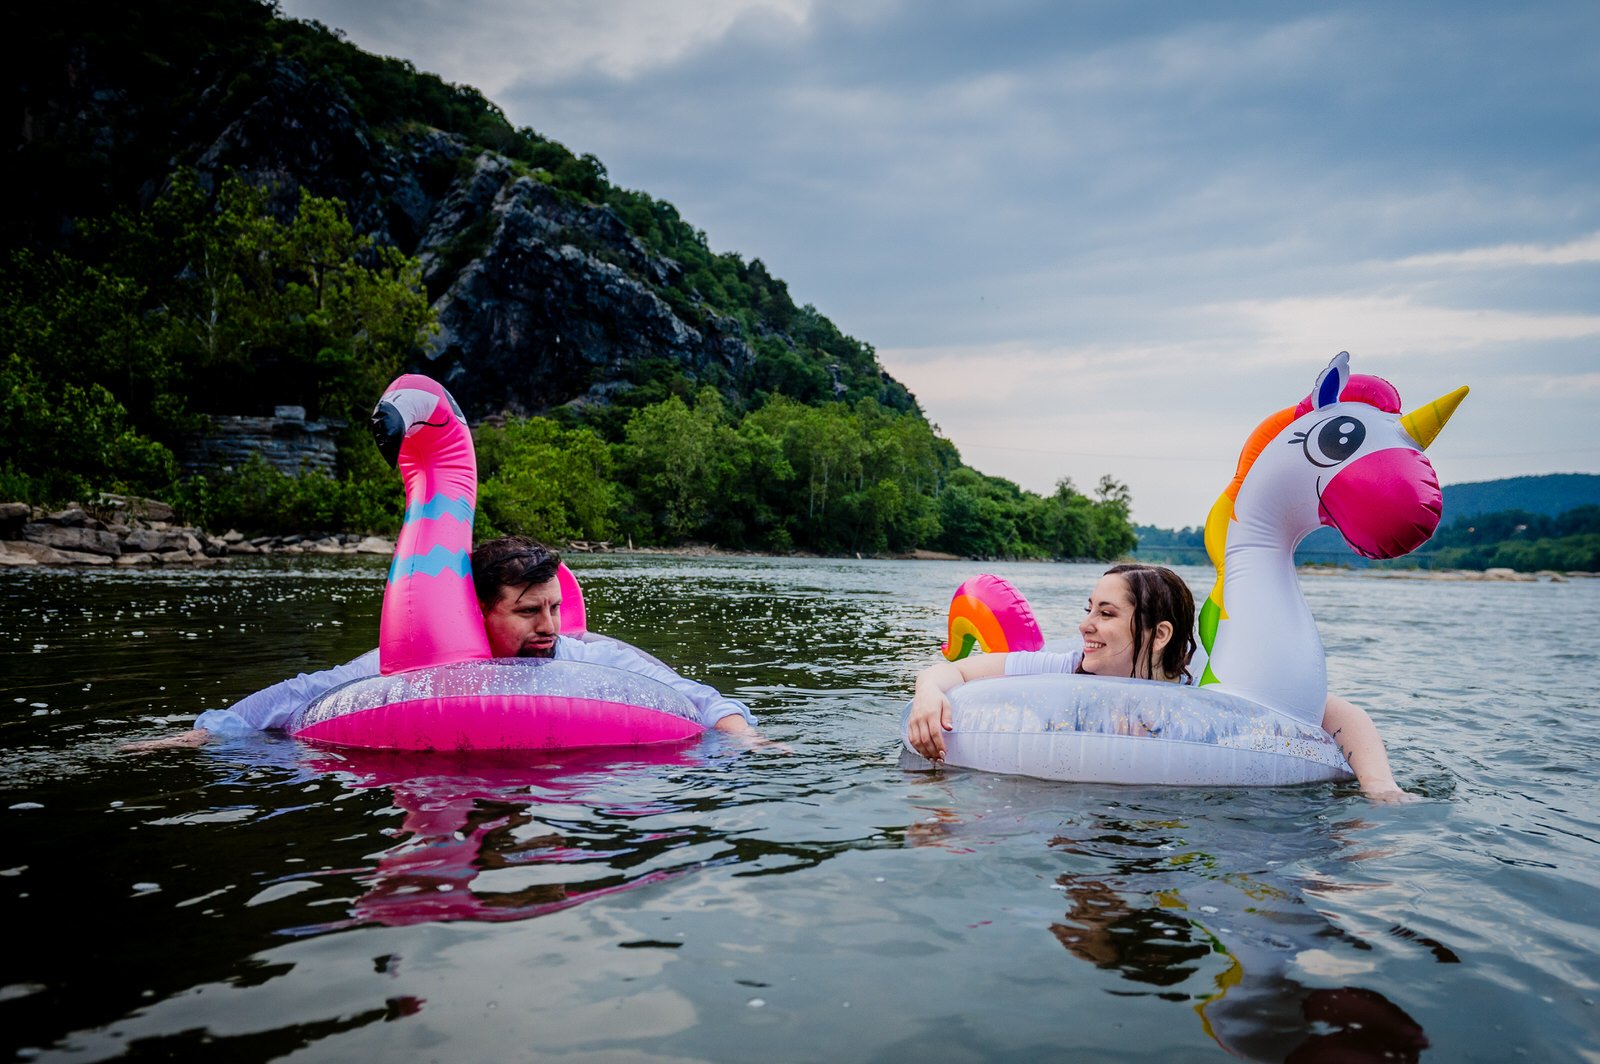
(464, 816)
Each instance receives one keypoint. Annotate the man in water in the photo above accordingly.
(517, 590)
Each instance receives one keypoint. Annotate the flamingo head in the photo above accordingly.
(411, 404)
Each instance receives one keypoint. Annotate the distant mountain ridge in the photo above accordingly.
(1552, 494)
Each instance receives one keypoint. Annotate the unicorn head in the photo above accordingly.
(1344, 457)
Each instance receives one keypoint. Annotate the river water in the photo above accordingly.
(265, 900)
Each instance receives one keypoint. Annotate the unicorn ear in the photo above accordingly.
(1331, 381)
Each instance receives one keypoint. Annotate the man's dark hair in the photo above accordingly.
(510, 561)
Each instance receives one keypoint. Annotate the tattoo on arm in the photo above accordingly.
(1344, 751)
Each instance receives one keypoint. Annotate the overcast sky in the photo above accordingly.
(1098, 237)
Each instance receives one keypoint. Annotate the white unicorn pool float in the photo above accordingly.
(1344, 457)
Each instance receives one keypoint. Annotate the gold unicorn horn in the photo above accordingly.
(1423, 423)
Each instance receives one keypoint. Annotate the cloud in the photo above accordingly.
(494, 44)
(1584, 249)
(1396, 325)
(1564, 387)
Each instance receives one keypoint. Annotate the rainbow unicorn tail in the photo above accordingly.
(989, 613)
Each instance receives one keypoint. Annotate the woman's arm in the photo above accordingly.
(930, 709)
(1362, 746)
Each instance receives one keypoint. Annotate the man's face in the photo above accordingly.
(524, 621)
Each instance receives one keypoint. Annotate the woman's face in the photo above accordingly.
(1107, 628)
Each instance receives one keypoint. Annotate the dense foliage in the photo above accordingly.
(200, 304)
(833, 478)
(1171, 546)
(195, 306)
(1517, 539)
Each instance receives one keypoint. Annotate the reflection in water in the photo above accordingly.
(1160, 915)
(465, 817)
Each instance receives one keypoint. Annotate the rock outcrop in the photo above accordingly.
(542, 298)
(546, 296)
(123, 530)
(287, 441)
(558, 302)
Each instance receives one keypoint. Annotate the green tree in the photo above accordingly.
(541, 480)
(1067, 523)
(1111, 533)
(66, 440)
(251, 310)
(973, 522)
(678, 460)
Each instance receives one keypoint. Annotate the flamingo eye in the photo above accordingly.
(1332, 441)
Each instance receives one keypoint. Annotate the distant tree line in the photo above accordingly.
(1517, 539)
(1171, 546)
(1507, 539)
(120, 346)
(832, 478)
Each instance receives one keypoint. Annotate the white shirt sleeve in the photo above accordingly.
(1029, 662)
(1026, 662)
(270, 708)
(711, 705)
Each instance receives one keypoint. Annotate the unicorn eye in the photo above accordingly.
(1332, 441)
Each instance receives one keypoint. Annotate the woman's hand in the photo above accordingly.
(930, 719)
(930, 708)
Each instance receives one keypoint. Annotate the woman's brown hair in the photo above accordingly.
(1159, 594)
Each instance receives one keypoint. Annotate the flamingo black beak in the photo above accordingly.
(389, 429)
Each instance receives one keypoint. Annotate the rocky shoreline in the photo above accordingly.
(129, 531)
(123, 530)
(1481, 575)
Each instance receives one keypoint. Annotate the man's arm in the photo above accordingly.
(268, 709)
(713, 709)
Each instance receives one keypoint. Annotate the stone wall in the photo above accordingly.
(286, 440)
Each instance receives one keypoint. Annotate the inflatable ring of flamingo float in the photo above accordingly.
(1344, 457)
(438, 688)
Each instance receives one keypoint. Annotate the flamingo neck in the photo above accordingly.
(430, 610)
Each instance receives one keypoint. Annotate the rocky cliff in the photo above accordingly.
(543, 294)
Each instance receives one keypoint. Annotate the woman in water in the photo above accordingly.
(1139, 623)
